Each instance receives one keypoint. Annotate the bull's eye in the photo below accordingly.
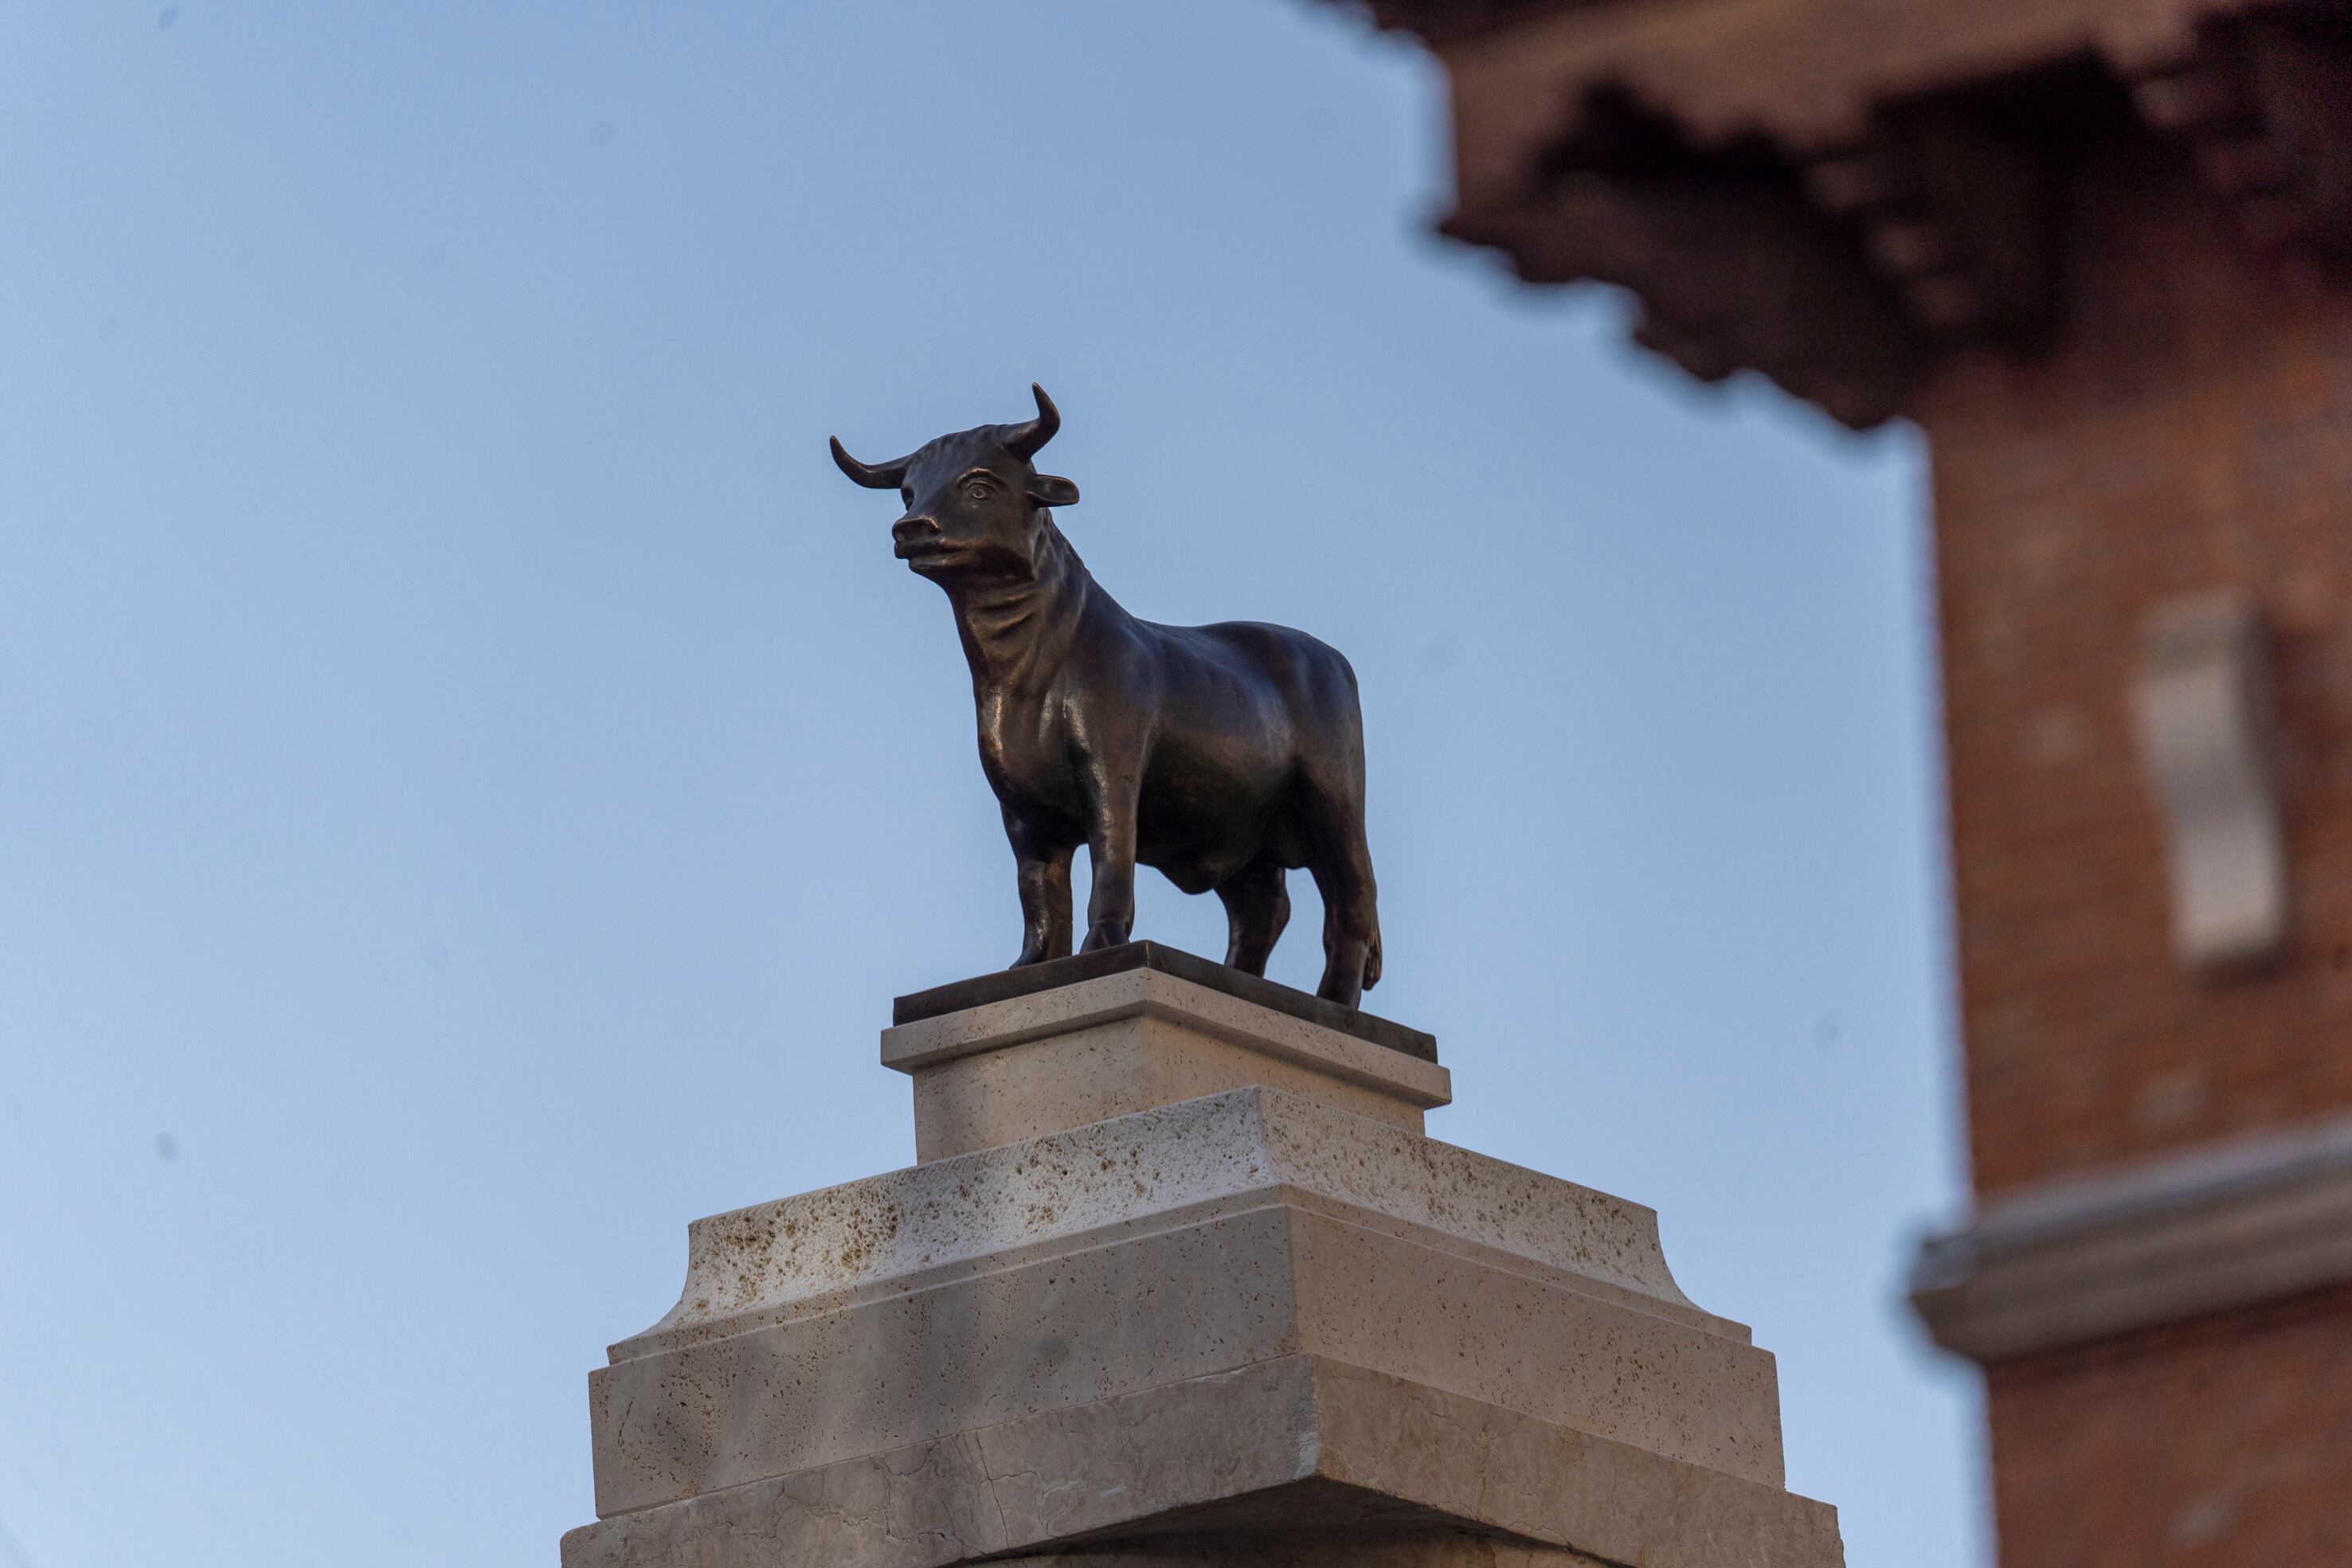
(978, 489)
(906, 497)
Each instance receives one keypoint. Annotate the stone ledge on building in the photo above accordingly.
(2223, 1226)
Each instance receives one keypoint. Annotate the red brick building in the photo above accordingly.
(2097, 250)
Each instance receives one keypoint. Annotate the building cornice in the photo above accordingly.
(1842, 193)
(2226, 1226)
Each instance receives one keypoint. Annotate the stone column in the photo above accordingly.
(1178, 1278)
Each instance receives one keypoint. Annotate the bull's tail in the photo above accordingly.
(1373, 961)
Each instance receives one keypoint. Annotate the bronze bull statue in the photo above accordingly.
(1225, 756)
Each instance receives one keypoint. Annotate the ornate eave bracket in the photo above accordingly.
(2263, 105)
(1836, 195)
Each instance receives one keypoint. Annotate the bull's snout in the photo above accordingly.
(912, 530)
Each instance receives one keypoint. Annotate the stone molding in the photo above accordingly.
(1165, 1169)
(1140, 993)
(1030, 1066)
(1151, 1249)
(2202, 708)
(1297, 1461)
(2226, 1226)
(1004, 984)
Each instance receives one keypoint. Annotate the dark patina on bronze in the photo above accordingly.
(1030, 978)
(1224, 756)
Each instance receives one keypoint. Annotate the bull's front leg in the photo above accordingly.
(1045, 894)
(1110, 846)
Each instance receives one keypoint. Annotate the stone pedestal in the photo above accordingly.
(1027, 1052)
(1179, 1280)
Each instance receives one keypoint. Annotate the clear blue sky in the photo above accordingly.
(473, 775)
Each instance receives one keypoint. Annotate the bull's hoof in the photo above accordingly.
(1343, 975)
(1045, 952)
(1110, 934)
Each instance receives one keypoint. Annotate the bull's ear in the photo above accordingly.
(1051, 490)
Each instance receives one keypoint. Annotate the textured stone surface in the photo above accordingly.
(1157, 1248)
(1035, 1064)
(910, 1228)
(1179, 1281)
(1299, 1461)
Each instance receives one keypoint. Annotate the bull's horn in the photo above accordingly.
(1024, 440)
(889, 476)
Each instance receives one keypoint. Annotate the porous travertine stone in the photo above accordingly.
(1298, 1462)
(912, 1348)
(1036, 1064)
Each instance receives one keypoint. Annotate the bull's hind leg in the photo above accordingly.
(1343, 867)
(1350, 929)
(1257, 906)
